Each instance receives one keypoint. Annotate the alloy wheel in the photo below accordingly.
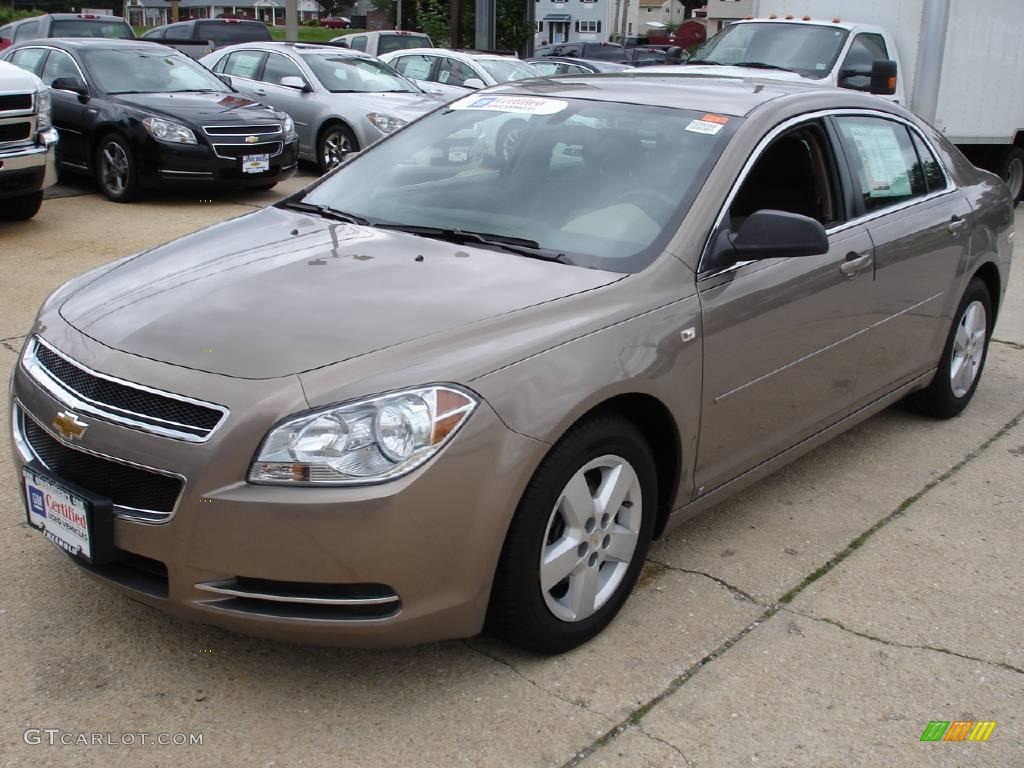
(509, 141)
(968, 348)
(336, 146)
(591, 538)
(114, 168)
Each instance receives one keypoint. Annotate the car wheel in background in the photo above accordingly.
(578, 539)
(20, 208)
(1010, 167)
(963, 357)
(336, 141)
(508, 136)
(116, 170)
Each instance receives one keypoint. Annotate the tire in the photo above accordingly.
(1010, 167)
(508, 136)
(20, 208)
(335, 142)
(966, 345)
(117, 171)
(558, 615)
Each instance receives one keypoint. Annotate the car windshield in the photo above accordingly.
(155, 70)
(506, 70)
(807, 49)
(388, 43)
(604, 184)
(605, 52)
(91, 28)
(348, 74)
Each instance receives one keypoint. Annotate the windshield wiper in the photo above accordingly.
(518, 245)
(709, 62)
(325, 212)
(761, 65)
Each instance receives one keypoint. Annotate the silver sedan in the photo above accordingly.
(342, 101)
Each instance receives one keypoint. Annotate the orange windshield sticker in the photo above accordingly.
(720, 119)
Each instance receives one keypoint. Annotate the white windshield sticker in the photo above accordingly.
(523, 105)
(704, 126)
(884, 165)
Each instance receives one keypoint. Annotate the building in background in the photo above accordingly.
(152, 13)
(559, 21)
(722, 13)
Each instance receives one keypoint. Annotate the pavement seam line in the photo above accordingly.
(910, 646)
(534, 683)
(676, 683)
(1008, 343)
(735, 591)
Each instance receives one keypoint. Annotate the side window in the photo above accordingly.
(30, 59)
(415, 67)
(865, 50)
(154, 34)
(797, 174)
(27, 31)
(279, 67)
(934, 176)
(883, 161)
(218, 68)
(59, 64)
(179, 32)
(357, 43)
(244, 64)
(452, 72)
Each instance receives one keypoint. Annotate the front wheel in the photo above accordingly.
(963, 357)
(116, 170)
(336, 143)
(578, 540)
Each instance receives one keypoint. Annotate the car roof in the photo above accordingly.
(716, 94)
(271, 45)
(466, 55)
(85, 43)
(65, 16)
(835, 22)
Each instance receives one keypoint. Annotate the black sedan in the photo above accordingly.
(567, 65)
(138, 115)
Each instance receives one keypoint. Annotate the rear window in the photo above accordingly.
(605, 52)
(388, 43)
(228, 34)
(117, 30)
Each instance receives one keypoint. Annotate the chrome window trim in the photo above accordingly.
(69, 397)
(792, 123)
(153, 517)
(58, 50)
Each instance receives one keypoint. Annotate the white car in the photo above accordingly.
(28, 143)
(384, 41)
(453, 74)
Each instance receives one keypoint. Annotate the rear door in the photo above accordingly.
(300, 105)
(72, 118)
(920, 224)
(244, 67)
(783, 337)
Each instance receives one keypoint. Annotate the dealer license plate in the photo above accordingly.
(62, 515)
(255, 163)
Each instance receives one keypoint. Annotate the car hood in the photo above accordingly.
(407, 106)
(727, 71)
(200, 107)
(279, 292)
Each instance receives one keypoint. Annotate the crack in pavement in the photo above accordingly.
(668, 744)
(534, 683)
(1008, 343)
(675, 684)
(735, 591)
(895, 644)
(8, 346)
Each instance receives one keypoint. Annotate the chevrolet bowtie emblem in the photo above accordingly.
(251, 139)
(69, 425)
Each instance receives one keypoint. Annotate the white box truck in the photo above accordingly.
(959, 64)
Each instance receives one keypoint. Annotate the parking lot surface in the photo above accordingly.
(821, 618)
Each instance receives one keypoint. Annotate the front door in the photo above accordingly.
(559, 31)
(71, 116)
(783, 337)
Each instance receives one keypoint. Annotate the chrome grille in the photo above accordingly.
(121, 402)
(271, 148)
(242, 130)
(136, 492)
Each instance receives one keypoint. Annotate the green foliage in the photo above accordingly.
(10, 14)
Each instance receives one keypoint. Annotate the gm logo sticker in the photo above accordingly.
(36, 501)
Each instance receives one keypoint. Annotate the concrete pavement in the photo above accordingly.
(821, 618)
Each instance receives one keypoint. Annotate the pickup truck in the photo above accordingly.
(28, 143)
(199, 37)
(956, 63)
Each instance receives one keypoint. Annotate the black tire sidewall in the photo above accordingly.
(518, 611)
(131, 190)
(21, 208)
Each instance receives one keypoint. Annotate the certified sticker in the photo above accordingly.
(704, 126)
(521, 105)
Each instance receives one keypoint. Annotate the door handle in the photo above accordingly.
(854, 264)
(957, 225)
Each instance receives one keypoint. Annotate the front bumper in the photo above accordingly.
(396, 563)
(30, 169)
(197, 164)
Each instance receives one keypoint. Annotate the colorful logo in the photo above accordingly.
(958, 730)
(36, 501)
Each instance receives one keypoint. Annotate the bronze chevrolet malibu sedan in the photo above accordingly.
(441, 390)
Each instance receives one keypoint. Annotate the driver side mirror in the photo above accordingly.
(473, 82)
(293, 81)
(674, 55)
(769, 234)
(226, 79)
(72, 84)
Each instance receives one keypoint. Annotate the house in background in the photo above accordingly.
(560, 21)
(722, 13)
(152, 13)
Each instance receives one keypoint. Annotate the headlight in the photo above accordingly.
(165, 130)
(385, 123)
(44, 120)
(289, 127)
(362, 441)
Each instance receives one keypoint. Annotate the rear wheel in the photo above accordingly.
(20, 208)
(578, 539)
(963, 357)
(1010, 167)
(116, 170)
